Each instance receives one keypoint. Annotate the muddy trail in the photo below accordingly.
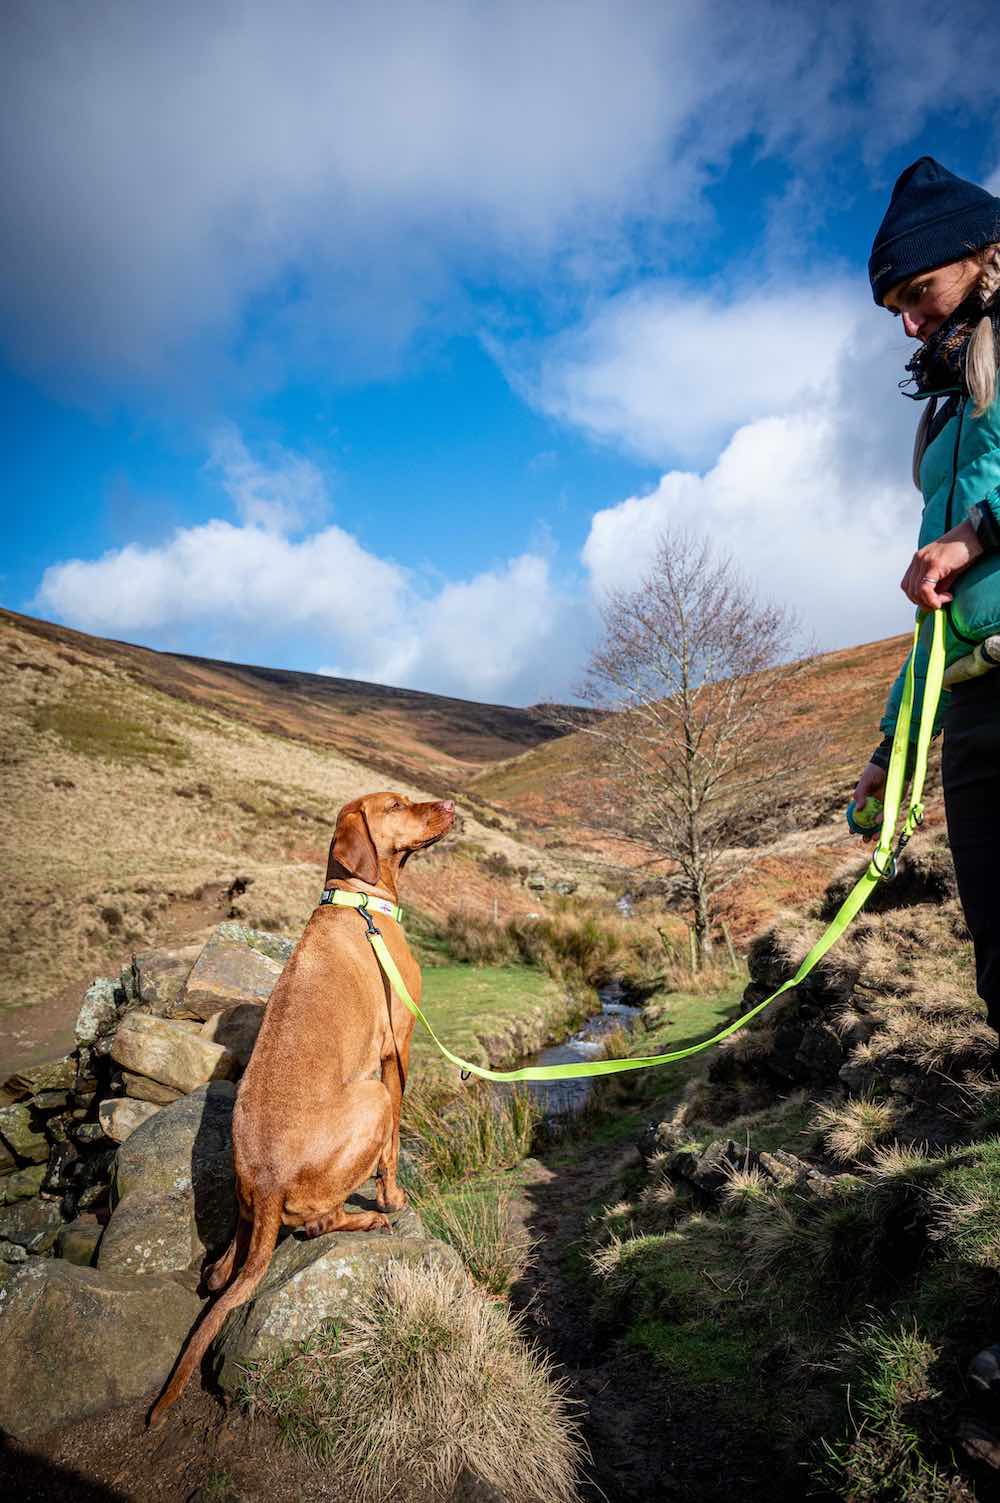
(650, 1436)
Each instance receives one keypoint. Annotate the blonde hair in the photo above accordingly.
(980, 356)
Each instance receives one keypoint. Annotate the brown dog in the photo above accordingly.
(318, 1109)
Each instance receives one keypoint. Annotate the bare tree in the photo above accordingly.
(691, 665)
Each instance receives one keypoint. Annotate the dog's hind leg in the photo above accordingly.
(339, 1220)
(218, 1274)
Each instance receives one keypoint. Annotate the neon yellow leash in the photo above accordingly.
(881, 866)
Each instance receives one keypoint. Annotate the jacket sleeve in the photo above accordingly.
(888, 722)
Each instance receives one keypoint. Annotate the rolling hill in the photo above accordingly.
(149, 794)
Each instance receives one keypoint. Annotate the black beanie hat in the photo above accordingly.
(933, 217)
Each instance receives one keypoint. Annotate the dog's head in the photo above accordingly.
(375, 835)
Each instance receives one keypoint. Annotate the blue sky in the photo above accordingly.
(385, 340)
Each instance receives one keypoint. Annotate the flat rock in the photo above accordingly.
(119, 1117)
(236, 1029)
(313, 1280)
(175, 1189)
(141, 1088)
(159, 975)
(56, 1075)
(78, 1341)
(168, 1052)
(21, 1135)
(33, 1224)
(236, 965)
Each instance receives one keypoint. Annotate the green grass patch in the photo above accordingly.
(491, 1015)
(699, 1352)
(95, 730)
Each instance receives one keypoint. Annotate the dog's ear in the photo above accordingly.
(353, 848)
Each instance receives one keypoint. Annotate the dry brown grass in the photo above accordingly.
(853, 1129)
(123, 802)
(426, 1377)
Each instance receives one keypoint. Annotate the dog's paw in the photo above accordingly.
(398, 1203)
(382, 1224)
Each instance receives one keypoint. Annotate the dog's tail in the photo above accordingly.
(263, 1240)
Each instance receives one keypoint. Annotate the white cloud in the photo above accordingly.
(280, 496)
(505, 633)
(810, 488)
(243, 575)
(500, 634)
(780, 501)
(669, 373)
(311, 181)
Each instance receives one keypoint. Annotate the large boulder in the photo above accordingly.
(174, 1186)
(170, 1052)
(313, 1280)
(237, 965)
(77, 1341)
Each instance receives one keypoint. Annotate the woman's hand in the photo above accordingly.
(934, 567)
(871, 781)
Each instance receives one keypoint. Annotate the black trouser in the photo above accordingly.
(970, 771)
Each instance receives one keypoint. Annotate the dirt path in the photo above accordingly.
(651, 1439)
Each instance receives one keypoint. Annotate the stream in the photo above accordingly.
(561, 1098)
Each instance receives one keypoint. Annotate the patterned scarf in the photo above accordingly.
(939, 365)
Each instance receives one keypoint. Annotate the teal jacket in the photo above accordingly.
(960, 468)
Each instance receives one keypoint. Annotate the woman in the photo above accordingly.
(935, 264)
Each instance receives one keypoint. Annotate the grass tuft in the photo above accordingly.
(853, 1129)
(478, 1227)
(424, 1378)
(449, 1137)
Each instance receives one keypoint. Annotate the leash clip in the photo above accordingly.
(363, 910)
(887, 872)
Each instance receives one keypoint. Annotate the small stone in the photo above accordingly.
(98, 1016)
(12, 1252)
(161, 1050)
(78, 1242)
(58, 1173)
(22, 1137)
(160, 975)
(50, 1101)
(87, 1134)
(22, 1184)
(120, 1118)
(92, 1197)
(142, 1089)
(33, 1224)
(233, 967)
(7, 1162)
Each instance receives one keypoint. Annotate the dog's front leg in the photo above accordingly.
(392, 1197)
